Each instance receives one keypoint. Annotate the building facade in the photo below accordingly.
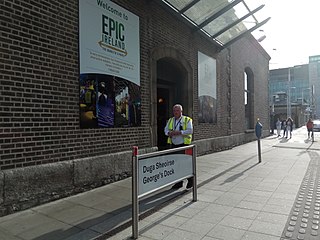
(293, 91)
(55, 140)
(314, 78)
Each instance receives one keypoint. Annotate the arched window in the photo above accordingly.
(248, 98)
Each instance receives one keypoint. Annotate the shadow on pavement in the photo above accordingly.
(284, 140)
(236, 176)
(147, 206)
(271, 138)
(112, 222)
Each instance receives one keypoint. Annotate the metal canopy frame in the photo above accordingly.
(218, 20)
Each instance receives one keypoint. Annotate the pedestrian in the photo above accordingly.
(179, 130)
(284, 127)
(310, 127)
(289, 127)
(278, 126)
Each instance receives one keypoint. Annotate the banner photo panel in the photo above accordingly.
(207, 85)
(108, 101)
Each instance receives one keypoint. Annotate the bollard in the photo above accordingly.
(259, 150)
(312, 135)
(258, 130)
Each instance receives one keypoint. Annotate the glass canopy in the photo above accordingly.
(223, 21)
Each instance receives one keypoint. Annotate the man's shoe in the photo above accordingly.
(189, 184)
(177, 185)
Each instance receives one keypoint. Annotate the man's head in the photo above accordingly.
(177, 111)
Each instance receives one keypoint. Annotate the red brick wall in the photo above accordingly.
(39, 113)
(247, 53)
(39, 110)
(39, 99)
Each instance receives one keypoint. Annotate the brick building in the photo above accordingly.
(45, 152)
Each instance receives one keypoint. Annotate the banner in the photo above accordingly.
(109, 63)
(207, 85)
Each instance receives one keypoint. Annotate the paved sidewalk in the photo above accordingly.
(237, 199)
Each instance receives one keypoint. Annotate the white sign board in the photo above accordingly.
(109, 40)
(157, 171)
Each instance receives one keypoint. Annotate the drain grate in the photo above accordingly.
(304, 220)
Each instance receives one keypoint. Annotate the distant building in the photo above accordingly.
(296, 87)
(314, 79)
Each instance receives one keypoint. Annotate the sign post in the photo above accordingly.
(258, 130)
(154, 171)
(135, 200)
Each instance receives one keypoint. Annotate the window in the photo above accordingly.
(248, 98)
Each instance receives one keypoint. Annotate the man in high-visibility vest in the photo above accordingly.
(179, 130)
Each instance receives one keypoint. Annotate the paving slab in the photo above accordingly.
(304, 218)
(238, 198)
(246, 201)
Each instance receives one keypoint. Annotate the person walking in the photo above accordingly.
(278, 126)
(179, 129)
(289, 127)
(284, 127)
(310, 127)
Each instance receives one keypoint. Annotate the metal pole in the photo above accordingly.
(259, 150)
(312, 101)
(272, 116)
(303, 110)
(135, 202)
(289, 95)
(194, 169)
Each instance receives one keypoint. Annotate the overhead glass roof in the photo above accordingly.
(223, 21)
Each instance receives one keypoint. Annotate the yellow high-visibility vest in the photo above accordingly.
(186, 138)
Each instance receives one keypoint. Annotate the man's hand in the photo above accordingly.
(174, 133)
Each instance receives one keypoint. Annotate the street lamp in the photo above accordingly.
(312, 107)
(289, 102)
(305, 112)
(289, 94)
(303, 97)
(272, 113)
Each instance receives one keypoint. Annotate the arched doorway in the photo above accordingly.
(171, 83)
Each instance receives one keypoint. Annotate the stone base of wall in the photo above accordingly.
(211, 145)
(27, 187)
(23, 188)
